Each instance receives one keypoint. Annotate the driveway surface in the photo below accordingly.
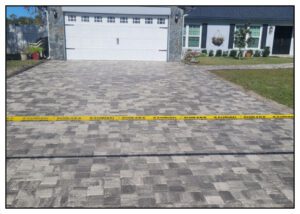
(143, 163)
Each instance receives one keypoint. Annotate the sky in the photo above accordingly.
(18, 11)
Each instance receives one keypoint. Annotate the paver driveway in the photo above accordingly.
(214, 177)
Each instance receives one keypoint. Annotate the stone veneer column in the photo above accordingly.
(56, 34)
(175, 35)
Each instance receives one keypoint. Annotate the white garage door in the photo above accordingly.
(110, 37)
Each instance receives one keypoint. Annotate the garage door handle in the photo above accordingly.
(117, 41)
(162, 50)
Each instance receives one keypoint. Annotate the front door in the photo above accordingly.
(282, 39)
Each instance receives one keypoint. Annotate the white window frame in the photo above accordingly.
(259, 41)
(71, 18)
(97, 18)
(136, 20)
(85, 19)
(148, 20)
(111, 19)
(123, 20)
(161, 21)
(187, 29)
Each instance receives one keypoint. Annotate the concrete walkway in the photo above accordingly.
(245, 67)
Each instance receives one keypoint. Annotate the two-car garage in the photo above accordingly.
(116, 34)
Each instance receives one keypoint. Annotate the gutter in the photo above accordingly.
(183, 22)
(48, 32)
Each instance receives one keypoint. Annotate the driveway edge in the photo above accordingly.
(23, 69)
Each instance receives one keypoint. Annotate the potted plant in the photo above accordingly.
(249, 53)
(23, 55)
(217, 41)
(23, 52)
(35, 52)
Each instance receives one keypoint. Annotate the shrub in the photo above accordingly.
(34, 49)
(266, 52)
(190, 56)
(219, 53)
(233, 53)
(211, 53)
(257, 53)
(204, 51)
(225, 53)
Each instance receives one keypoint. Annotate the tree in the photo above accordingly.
(39, 12)
(242, 38)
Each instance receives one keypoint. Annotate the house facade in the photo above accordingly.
(212, 28)
(162, 33)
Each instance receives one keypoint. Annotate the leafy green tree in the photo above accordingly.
(39, 12)
(242, 38)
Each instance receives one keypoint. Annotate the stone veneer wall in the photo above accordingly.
(175, 35)
(56, 34)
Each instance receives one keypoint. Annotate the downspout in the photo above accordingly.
(183, 20)
(48, 32)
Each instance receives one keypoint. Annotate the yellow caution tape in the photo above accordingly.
(149, 117)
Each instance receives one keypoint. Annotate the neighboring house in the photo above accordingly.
(159, 33)
(270, 26)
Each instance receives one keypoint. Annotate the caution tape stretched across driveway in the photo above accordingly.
(149, 117)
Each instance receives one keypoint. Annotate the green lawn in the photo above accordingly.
(243, 61)
(277, 84)
(16, 64)
(13, 66)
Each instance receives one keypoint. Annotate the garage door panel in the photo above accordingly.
(115, 41)
(110, 54)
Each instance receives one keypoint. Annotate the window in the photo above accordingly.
(123, 20)
(148, 20)
(72, 18)
(194, 36)
(84, 18)
(136, 20)
(160, 21)
(97, 19)
(111, 19)
(255, 36)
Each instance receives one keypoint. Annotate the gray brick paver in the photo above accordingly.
(169, 181)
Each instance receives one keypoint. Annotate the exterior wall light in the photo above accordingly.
(270, 29)
(54, 13)
(176, 17)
